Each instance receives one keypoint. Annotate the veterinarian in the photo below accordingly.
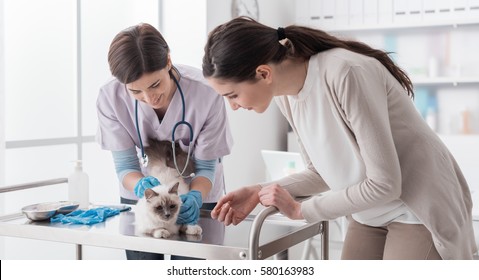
(149, 97)
(366, 147)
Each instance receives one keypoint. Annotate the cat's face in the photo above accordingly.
(164, 203)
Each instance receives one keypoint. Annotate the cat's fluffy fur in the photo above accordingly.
(157, 211)
(161, 164)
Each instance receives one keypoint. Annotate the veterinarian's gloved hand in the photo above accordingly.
(190, 209)
(145, 183)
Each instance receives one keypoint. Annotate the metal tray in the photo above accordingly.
(46, 210)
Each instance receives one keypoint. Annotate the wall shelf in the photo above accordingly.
(400, 26)
(444, 81)
(474, 138)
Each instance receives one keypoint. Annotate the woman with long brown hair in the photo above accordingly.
(368, 151)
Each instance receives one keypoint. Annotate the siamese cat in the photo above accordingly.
(157, 211)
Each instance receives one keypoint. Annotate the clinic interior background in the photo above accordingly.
(53, 61)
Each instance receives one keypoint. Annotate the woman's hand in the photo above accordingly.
(274, 195)
(235, 206)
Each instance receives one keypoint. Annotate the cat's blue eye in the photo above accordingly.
(159, 208)
(172, 206)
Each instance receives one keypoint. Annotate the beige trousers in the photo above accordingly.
(397, 241)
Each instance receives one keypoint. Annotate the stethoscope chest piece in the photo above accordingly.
(144, 160)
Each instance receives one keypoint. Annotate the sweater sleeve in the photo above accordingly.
(206, 168)
(304, 183)
(125, 162)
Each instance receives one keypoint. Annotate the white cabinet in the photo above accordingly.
(441, 60)
(435, 42)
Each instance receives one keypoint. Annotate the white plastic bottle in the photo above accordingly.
(78, 186)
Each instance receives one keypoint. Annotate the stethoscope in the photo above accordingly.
(144, 156)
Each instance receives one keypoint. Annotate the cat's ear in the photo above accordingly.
(149, 193)
(174, 189)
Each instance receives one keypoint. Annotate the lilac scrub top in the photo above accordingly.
(205, 111)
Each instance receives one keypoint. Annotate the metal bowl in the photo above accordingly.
(46, 210)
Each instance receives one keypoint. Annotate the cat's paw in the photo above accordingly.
(192, 229)
(161, 233)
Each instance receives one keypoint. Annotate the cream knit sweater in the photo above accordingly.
(362, 138)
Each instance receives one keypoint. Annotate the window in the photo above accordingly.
(53, 62)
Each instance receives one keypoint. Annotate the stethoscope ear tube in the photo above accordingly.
(173, 146)
(180, 173)
(144, 157)
(182, 122)
(176, 126)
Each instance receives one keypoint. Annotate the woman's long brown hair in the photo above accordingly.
(236, 48)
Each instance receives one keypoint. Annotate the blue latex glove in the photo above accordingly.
(145, 183)
(190, 209)
(85, 217)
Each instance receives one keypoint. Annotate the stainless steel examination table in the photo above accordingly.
(266, 234)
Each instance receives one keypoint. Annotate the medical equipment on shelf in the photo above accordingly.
(144, 156)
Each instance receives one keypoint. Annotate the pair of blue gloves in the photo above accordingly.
(85, 217)
(191, 202)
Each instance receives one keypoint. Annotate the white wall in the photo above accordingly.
(252, 132)
(186, 41)
(2, 123)
(53, 161)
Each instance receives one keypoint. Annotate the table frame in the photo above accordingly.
(254, 250)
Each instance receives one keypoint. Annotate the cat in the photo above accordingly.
(161, 163)
(157, 211)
